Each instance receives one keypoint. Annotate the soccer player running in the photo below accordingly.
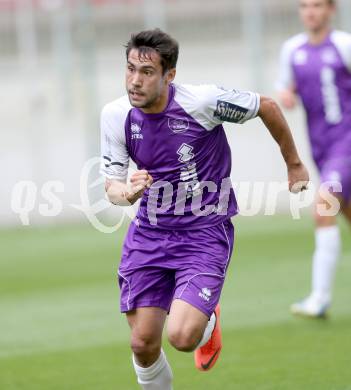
(178, 248)
(316, 66)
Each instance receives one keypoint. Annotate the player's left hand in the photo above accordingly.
(298, 178)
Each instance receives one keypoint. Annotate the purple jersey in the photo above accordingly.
(185, 150)
(321, 76)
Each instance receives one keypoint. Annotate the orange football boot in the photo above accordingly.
(207, 355)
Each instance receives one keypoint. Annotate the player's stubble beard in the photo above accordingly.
(150, 100)
(147, 102)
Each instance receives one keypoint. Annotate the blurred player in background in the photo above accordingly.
(176, 254)
(316, 66)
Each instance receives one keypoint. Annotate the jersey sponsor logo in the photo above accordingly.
(185, 153)
(136, 131)
(205, 294)
(300, 57)
(229, 112)
(178, 125)
(330, 94)
(188, 172)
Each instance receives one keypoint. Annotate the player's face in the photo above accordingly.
(316, 14)
(146, 84)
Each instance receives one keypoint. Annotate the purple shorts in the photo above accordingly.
(158, 266)
(338, 169)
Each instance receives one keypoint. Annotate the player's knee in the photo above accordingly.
(323, 220)
(346, 210)
(326, 209)
(144, 345)
(184, 339)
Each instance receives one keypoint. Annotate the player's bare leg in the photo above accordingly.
(325, 258)
(186, 325)
(189, 329)
(346, 210)
(150, 363)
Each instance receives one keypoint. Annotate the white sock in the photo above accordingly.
(208, 330)
(156, 377)
(325, 258)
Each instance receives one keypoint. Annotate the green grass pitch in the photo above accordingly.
(60, 327)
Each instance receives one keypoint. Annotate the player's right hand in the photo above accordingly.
(139, 181)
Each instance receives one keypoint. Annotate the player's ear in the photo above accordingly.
(171, 75)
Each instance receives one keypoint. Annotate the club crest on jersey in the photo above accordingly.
(229, 112)
(300, 57)
(136, 131)
(329, 56)
(178, 125)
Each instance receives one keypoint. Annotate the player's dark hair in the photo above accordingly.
(155, 40)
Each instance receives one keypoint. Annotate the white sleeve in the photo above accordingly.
(285, 75)
(115, 156)
(210, 105)
(342, 41)
(232, 105)
(285, 78)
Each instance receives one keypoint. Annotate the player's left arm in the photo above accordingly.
(277, 125)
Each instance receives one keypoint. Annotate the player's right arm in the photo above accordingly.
(240, 106)
(115, 157)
